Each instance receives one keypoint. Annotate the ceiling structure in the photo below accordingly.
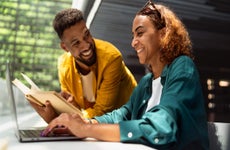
(208, 22)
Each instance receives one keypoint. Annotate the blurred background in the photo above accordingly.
(28, 41)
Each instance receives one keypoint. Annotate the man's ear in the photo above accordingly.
(63, 46)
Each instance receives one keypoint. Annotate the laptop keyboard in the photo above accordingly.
(31, 133)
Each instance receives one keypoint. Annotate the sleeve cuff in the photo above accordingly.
(129, 130)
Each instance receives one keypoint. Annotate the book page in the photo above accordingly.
(40, 97)
(32, 84)
(21, 86)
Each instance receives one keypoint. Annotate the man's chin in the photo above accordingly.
(87, 63)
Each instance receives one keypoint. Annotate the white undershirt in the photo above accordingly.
(156, 93)
(87, 85)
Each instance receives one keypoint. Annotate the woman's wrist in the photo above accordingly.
(92, 121)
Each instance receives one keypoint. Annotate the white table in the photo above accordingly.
(31, 119)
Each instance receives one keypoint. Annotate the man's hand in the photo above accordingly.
(46, 111)
(69, 98)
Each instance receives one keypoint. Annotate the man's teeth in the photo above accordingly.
(85, 53)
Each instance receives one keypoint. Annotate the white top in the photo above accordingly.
(156, 93)
(87, 85)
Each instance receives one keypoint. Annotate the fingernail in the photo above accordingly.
(42, 133)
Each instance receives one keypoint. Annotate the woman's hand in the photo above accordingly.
(75, 125)
(67, 124)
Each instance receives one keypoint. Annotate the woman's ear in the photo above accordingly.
(63, 46)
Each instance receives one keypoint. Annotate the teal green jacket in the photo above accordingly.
(178, 122)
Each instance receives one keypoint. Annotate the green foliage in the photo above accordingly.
(28, 40)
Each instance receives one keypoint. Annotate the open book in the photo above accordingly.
(39, 97)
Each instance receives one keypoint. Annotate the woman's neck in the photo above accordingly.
(157, 69)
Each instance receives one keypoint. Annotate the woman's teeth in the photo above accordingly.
(138, 51)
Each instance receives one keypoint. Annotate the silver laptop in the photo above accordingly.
(33, 134)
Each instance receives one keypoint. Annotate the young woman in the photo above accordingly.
(166, 109)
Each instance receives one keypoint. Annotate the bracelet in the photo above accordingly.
(90, 121)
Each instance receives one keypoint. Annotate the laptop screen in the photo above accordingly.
(22, 137)
(11, 98)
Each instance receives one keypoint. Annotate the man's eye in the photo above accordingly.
(87, 33)
(76, 44)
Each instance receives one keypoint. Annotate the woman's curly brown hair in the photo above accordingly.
(176, 40)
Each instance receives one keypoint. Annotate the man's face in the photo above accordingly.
(78, 41)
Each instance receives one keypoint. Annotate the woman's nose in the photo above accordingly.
(134, 43)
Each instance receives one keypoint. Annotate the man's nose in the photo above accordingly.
(85, 45)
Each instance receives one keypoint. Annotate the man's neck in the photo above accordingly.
(82, 68)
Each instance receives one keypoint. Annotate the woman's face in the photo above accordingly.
(145, 40)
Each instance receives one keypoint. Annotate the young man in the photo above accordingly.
(92, 73)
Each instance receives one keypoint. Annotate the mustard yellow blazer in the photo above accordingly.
(113, 85)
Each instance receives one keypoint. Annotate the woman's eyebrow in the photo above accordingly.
(137, 29)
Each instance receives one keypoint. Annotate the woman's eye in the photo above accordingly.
(139, 33)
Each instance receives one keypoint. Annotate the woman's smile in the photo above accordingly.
(139, 50)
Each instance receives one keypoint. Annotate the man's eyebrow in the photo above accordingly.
(73, 41)
(85, 30)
